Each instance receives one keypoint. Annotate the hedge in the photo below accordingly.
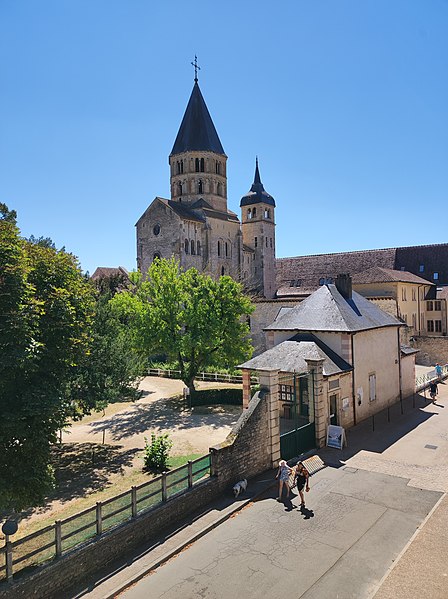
(211, 397)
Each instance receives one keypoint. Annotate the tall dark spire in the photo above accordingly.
(257, 194)
(197, 131)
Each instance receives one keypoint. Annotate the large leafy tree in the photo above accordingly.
(195, 320)
(46, 308)
(63, 354)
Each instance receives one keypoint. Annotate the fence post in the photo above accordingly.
(190, 473)
(8, 558)
(58, 537)
(99, 519)
(164, 489)
(134, 501)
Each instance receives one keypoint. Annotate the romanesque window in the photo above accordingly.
(266, 242)
(267, 213)
(156, 229)
(181, 166)
(254, 213)
(249, 213)
(227, 250)
(218, 167)
(156, 256)
(196, 165)
(200, 186)
(271, 241)
(202, 165)
(198, 248)
(180, 188)
(178, 167)
(219, 248)
(219, 189)
(193, 247)
(223, 271)
(256, 242)
(187, 246)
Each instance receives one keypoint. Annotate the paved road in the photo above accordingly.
(364, 513)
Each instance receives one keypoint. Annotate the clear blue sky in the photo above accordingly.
(344, 101)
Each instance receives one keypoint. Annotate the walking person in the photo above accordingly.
(303, 482)
(283, 474)
(438, 370)
(433, 390)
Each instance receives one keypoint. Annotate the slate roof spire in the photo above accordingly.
(197, 131)
(257, 193)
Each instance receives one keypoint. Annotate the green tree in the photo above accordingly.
(193, 319)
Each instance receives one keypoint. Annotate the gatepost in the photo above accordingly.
(321, 408)
(269, 384)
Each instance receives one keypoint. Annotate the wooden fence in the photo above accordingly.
(58, 538)
(219, 377)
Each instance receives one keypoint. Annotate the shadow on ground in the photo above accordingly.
(378, 433)
(164, 414)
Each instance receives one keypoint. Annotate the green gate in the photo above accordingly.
(296, 399)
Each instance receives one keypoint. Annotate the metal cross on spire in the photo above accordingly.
(196, 67)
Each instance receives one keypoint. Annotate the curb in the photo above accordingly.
(195, 537)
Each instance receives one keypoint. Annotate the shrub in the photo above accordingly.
(211, 397)
(157, 452)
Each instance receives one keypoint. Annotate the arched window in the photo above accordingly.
(227, 250)
(218, 189)
(179, 187)
(200, 186)
(267, 213)
(181, 166)
(249, 213)
(223, 272)
(256, 241)
(202, 165)
(187, 246)
(271, 241)
(156, 229)
(218, 167)
(156, 256)
(178, 167)
(198, 248)
(254, 212)
(196, 165)
(266, 242)
(193, 247)
(219, 248)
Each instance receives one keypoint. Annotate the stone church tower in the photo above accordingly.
(195, 225)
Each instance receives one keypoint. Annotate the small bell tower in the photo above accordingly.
(258, 227)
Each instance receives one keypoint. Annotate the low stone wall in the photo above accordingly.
(245, 453)
(432, 350)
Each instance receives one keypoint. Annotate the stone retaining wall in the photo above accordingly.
(432, 350)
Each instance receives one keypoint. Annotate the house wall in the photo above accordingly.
(344, 391)
(408, 375)
(265, 313)
(376, 352)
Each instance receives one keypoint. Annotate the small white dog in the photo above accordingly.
(239, 487)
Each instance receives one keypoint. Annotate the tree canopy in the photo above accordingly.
(193, 319)
(63, 354)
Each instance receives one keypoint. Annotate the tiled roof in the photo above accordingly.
(291, 355)
(327, 310)
(197, 131)
(377, 274)
(184, 212)
(106, 271)
(433, 259)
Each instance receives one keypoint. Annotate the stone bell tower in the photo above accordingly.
(258, 227)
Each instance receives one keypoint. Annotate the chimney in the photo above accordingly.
(344, 285)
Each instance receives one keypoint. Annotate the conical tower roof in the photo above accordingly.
(257, 194)
(197, 131)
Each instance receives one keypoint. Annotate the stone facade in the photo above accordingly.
(431, 350)
(195, 225)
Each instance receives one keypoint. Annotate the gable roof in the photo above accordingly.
(433, 258)
(327, 310)
(106, 271)
(291, 355)
(377, 274)
(197, 131)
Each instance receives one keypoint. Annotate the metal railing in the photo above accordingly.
(423, 380)
(219, 377)
(58, 538)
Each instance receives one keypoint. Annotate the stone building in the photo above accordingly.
(195, 225)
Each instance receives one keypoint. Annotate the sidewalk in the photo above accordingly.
(107, 584)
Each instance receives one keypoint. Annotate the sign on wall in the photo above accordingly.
(335, 436)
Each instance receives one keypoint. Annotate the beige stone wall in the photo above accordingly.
(432, 350)
(376, 352)
(343, 392)
(408, 375)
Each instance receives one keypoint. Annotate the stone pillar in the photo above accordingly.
(321, 408)
(269, 384)
(246, 389)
